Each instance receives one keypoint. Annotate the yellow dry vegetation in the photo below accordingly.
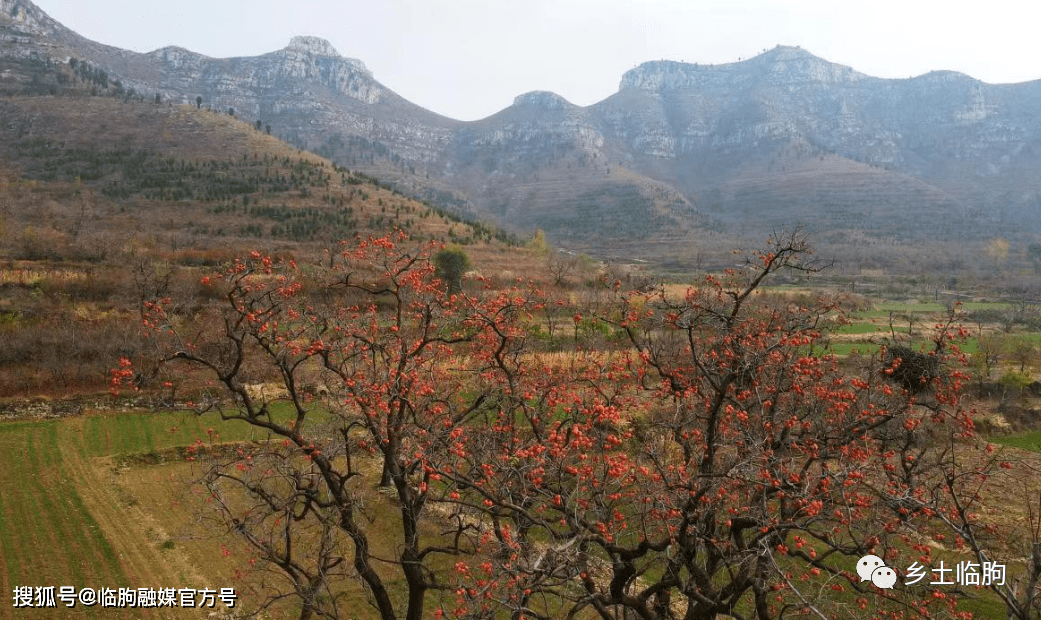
(176, 510)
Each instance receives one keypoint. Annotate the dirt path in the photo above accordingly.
(125, 526)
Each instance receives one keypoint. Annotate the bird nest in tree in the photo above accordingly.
(911, 369)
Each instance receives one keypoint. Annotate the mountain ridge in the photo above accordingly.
(680, 151)
(784, 64)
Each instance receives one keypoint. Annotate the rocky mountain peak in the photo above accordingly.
(782, 65)
(304, 54)
(946, 77)
(26, 17)
(312, 45)
(660, 75)
(785, 53)
(786, 65)
(542, 99)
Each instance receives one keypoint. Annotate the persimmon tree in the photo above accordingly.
(703, 460)
(369, 373)
(717, 467)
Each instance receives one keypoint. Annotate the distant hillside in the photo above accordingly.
(85, 178)
(105, 203)
(682, 155)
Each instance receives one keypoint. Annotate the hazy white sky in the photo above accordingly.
(468, 59)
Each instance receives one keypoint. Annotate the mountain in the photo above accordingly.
(682, 154)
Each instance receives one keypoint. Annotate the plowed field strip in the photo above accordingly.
(122, 525)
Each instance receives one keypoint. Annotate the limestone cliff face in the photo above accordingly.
(305, 62)
(786, 133)
(26, 31)
(924, 126)
(307, 90)
(26, 18)
(316, 46)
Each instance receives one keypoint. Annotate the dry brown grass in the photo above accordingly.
(66, 212)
